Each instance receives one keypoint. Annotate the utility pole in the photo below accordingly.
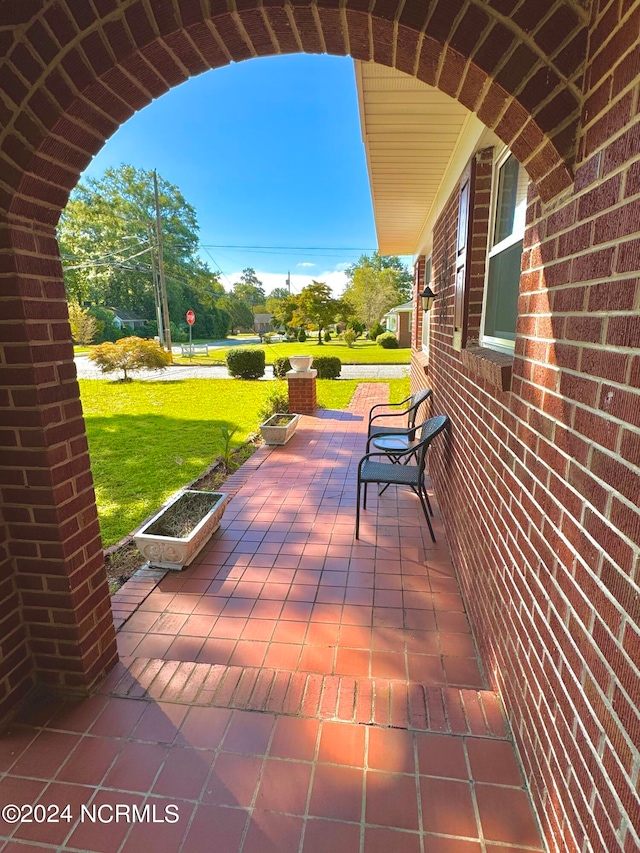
(289, 281)
(163, 283)
(156, 288)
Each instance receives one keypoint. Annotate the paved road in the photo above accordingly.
(87, 370)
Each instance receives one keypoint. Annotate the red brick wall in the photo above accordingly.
(59, 626)
(16, 669)
(417, 317)
(540, 485)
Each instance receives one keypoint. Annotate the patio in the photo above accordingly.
(293, 690)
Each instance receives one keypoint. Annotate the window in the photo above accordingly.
(503, 268)
(426, 318)
(392, 322)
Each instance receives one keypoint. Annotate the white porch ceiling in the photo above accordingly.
(411, 134)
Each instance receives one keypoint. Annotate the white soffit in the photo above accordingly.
(413, 135)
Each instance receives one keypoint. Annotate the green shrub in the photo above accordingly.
(280, 367)
(327, 337)
(277, 400)
(375, 330)
(246, 363)
(387, 340)
(302, 336)
(350, 337)
(328, 367)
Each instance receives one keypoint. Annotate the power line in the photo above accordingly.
(218, 265)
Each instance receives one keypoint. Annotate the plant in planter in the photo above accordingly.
(279, 428)
(177, 534)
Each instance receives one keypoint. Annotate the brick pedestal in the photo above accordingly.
(302, 391)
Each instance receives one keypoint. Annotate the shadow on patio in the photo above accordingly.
(293, 690)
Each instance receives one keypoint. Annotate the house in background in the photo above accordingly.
(399, 321)
(262, 323)
(127, 319)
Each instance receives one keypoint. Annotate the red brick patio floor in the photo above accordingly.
(293, 690)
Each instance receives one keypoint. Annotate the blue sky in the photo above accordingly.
(270, 153)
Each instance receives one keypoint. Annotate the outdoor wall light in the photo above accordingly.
(427, 298)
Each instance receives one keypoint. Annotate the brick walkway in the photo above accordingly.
(293, 690)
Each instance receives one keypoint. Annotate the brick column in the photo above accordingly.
(302, 391)
(57, 625)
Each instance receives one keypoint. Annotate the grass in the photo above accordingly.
(363, 352)
(336, 394)
(148, 439)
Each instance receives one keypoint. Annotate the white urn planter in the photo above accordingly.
(165, 551)
(300, 363)
(279, 428)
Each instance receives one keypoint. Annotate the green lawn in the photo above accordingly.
(148, 439)
(363, 352)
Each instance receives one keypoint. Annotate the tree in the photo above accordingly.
(249, 288)
(240, 314)
(107, 329)
(84, 327)
(205, 294)
(283, 310)
(375, 285)
(279, 293)
(317, 305)
(129, 354)
(106, 234)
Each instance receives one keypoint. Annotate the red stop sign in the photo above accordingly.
(191, 318)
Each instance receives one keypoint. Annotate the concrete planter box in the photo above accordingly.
(170, 552)
(274, 433)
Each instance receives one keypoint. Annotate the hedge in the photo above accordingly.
(280, 367)
(246, 363)
(328, 367)
(387, 341)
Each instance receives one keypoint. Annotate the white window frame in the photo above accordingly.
(506, 345)
(426, 317)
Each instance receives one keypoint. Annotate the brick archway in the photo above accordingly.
(71, 77)
(72, 73)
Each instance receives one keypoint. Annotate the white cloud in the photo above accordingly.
(336, 279)
(305, 264)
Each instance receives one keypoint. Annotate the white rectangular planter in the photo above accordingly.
(169, 552)
(279, 434)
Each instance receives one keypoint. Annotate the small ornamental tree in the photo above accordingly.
(128, 354)
(84, 326)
